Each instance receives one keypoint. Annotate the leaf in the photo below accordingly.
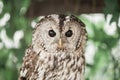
(112, 7)
(10, 30)
(115, 17)
(28, 36)
(3, 57)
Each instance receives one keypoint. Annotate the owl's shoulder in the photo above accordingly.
(29, 64)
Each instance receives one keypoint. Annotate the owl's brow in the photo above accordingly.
(62, 18)
(73, 18)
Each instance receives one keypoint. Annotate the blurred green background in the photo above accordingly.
(18, 17)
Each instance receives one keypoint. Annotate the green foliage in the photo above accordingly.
(112, 7)
(105, 66)
(11, 58)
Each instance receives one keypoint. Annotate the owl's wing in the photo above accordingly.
(28, 70)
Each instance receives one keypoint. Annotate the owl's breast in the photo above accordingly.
(63, 66)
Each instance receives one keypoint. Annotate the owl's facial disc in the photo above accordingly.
(56, 33)
(55, 40)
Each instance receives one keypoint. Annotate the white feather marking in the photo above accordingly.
(55, 17)
(23, 73)
(67, 19)
(41, 73)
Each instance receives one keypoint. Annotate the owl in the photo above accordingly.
(56, 51)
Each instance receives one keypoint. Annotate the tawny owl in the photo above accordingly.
(56, 51)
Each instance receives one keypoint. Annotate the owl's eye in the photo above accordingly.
(69, 33)
(52, 33)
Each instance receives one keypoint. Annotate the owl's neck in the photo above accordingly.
(62, 65)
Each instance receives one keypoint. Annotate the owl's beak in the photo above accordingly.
(60, 44)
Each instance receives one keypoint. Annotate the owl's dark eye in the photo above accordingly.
(52, 33)
(69, 33)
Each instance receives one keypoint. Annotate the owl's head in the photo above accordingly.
(56, 33)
